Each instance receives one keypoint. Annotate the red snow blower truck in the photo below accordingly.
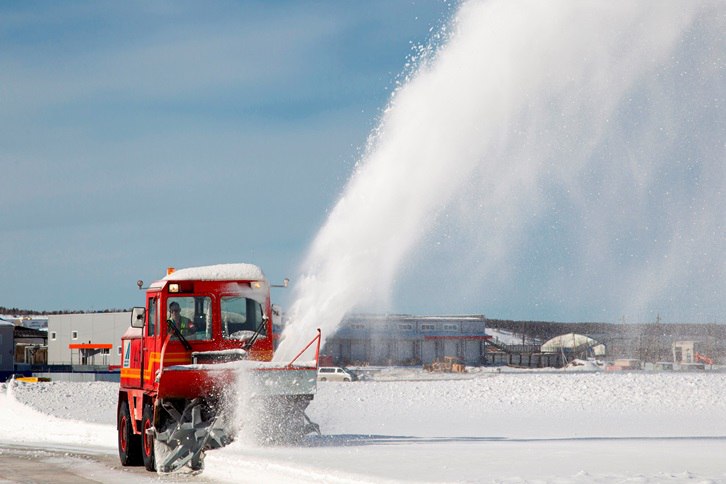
(202, 332)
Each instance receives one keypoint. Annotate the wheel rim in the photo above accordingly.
(123, 438)
(147, 438)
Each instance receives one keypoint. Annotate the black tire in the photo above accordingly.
(147, 441)
(323, 379)
(129, 445)
(346, 379)
(197, 464)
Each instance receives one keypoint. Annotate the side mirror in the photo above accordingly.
(138, 316)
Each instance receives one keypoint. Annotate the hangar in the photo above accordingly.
(407, 340)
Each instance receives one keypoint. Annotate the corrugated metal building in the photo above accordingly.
(407, 340)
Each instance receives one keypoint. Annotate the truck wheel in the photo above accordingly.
(129, 445)
(197, 464)
(147, 441)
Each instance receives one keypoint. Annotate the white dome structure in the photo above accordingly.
(574, 343)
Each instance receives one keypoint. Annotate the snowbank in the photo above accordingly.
(478, 426)
(93, 402)
(58, 413)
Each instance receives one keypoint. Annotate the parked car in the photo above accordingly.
(335, 373)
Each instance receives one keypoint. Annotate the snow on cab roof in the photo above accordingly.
(219, 272)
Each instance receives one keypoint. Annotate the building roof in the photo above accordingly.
(396, 318)
(23, 332)
(411, 326)
(5, 323)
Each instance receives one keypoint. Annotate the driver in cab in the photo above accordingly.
(185, 325)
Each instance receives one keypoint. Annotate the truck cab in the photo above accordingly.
(195, 316)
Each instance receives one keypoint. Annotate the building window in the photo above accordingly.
(53, 335)
(74, 335)
(451, 327)
(119, 351)
(427, 327)
(358, 326)
(405, 326)
(151, 317)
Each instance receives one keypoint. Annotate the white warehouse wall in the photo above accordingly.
(96, 328)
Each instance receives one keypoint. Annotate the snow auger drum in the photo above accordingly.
(186, 436)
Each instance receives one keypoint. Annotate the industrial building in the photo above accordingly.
(87, 339)
(407, 340)
(91, 342)
(7, 364)
(31, 346)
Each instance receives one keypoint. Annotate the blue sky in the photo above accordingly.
(140, 135)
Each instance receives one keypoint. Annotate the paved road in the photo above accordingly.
(26, 464)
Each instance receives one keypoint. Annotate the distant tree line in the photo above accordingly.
(32, 312)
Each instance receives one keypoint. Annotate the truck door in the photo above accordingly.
(150, 354)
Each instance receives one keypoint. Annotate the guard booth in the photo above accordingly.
(691, 352)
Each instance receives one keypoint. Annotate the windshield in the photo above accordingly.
(192, 315)
(241, 317)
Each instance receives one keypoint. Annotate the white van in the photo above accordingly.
(334, 373)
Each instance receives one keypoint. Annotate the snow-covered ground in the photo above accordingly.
(407, 425)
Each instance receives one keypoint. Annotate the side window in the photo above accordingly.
(241, 317)
(152, 327)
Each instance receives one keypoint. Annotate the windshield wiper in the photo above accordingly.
(257, 333)
(176, 330)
